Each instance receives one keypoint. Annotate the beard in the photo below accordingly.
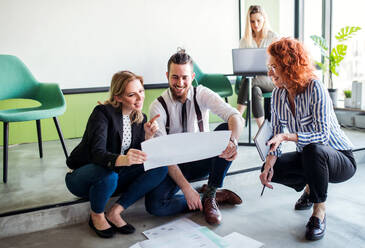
(178, 96)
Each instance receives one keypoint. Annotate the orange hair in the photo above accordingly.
(294, 61)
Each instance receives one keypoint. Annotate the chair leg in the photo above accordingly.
(60, 135)
(267, 108)
(6, 143)
(226, 98)
(39, 133)
(245, 115)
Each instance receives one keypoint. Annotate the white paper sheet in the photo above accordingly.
(237, 240)
(198, 237)
(179, 225)
(184, 147)
(136, 245)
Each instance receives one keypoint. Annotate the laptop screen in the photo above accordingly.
(250, 61)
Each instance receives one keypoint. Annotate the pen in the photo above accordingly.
(263, 188)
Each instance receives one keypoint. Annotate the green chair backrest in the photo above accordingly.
(198, 72)
(16, 81)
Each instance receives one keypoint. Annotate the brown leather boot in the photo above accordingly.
(223, 196)
(211, 211)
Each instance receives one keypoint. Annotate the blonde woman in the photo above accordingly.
(257, 35)
(109, 158)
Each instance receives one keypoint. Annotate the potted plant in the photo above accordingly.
(332, 59)
(348, 99)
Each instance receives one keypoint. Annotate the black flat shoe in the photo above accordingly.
(126, 229)
(315, 229)
(303, 202)
(107, 233)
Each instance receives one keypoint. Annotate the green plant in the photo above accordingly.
(347, 93)
(333, 58)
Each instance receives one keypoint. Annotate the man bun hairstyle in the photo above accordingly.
(180, 58)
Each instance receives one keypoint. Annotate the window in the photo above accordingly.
(313, 26)
(349, 13)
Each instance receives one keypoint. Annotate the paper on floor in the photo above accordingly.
(197, 237)
(179, 225)
(237, 240)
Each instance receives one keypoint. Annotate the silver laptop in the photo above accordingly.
(249, 60)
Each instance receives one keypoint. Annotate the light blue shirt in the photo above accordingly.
(314, 120)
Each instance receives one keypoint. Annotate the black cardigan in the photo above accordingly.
(101, 142)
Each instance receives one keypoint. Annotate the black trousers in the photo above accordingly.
(316, 165)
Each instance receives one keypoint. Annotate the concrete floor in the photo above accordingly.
(270, 219)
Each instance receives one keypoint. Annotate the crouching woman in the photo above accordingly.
(109, 159)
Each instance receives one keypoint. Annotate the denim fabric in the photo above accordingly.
(98, 184)
(163, 200)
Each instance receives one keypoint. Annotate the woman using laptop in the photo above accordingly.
(301, 104)
(257, 35)
(109, 158)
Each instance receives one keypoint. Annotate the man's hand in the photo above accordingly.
(230, 153)
(151, 127)
(192, 198)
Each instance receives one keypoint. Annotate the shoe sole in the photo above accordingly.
(303, 208)
(314, 238)
(99, 232)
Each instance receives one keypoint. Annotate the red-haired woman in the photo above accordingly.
(324, 153)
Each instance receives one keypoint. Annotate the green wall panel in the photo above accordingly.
(73, 121)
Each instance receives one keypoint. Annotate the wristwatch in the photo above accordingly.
(234, 141)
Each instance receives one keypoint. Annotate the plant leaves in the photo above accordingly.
(321, 43)
(346, 33)
(322, 66)
(338, 53)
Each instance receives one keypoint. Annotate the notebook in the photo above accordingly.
(263, 135)
(249, 60)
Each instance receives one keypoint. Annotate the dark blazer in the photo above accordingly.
(101, 143)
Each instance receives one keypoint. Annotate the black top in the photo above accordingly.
(101, 142)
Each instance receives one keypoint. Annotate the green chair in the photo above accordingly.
(266, 96)
(216, 82)
(16, 82)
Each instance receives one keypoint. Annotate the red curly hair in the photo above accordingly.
(294, 61)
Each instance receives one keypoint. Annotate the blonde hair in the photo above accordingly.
(254, 9)
(118, 85)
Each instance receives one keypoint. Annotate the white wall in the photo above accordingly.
(81, 43)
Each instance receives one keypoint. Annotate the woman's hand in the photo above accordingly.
(266, 176)
(151, 127)
(133, 156)
(279, 138)
(276, 141)
(268, 172)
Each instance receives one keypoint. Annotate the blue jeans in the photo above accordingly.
(163, 200)
(98, 184)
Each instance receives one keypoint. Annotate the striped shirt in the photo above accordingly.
(314, 120)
